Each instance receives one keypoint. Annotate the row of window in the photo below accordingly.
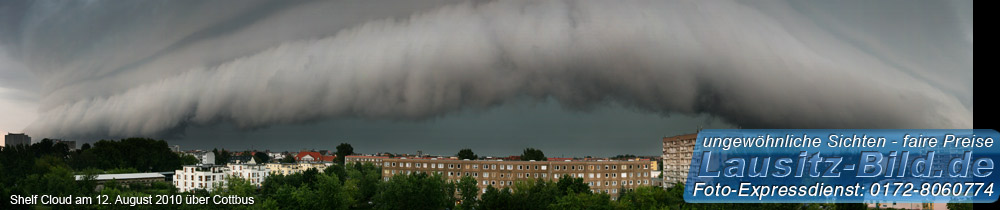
(623, 183)
(540, 175)
(519, 167)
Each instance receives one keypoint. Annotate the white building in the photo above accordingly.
(253, 173)
(276, 155)
(202, 176)
(211, 177)
(207, 158)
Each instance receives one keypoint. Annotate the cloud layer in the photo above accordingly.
(765, 65)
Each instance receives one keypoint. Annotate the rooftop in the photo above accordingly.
(101, 177)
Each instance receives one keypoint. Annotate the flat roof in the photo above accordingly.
(124, 176)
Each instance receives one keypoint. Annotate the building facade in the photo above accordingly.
(677, 151)
(208, 177)
(602, 176)
(291, 168)
(374, 160)
(124, 179)
(13, 139)
(211, 177)
(255, 174)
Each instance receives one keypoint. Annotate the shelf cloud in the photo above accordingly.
(152, 68)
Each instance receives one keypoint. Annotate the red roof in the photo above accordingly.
(315, 155)
(328, 158)
(365, 156)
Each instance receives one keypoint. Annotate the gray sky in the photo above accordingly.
(569, 77)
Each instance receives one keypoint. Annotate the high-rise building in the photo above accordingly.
(16, 139)
(677, 151)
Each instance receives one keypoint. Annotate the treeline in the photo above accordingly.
(144, 155)
(48, 168)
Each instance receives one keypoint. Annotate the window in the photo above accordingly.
(440, 165)
(572, 167)
(476, 174)
(510, 167)
(624, 175)
(591, 184)
(605, 167)
(519, 167)
(543, 167)
(475, 166)
(536, 167)
(486, 174)
(591, 175)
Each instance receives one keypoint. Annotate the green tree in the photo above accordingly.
(645, 197)
(467, 191)
(288, 159)
(583, 201)
(189, 160)
(368, 178)
(959, 206)
(261, 157)
(415, 191)
(467, 154)
(343, 150)
(533, 154)
(856, 206)
(221, 156)
(570, 185)
(495, 198)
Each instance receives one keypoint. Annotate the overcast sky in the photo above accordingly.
(573, 78)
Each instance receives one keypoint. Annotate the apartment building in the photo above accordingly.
(291, 168)
(208, 177)
(677, 151)
(253, 173)
(602, 176)
(374, 160)
(211, 177)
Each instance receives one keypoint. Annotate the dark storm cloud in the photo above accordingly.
(149, 68)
